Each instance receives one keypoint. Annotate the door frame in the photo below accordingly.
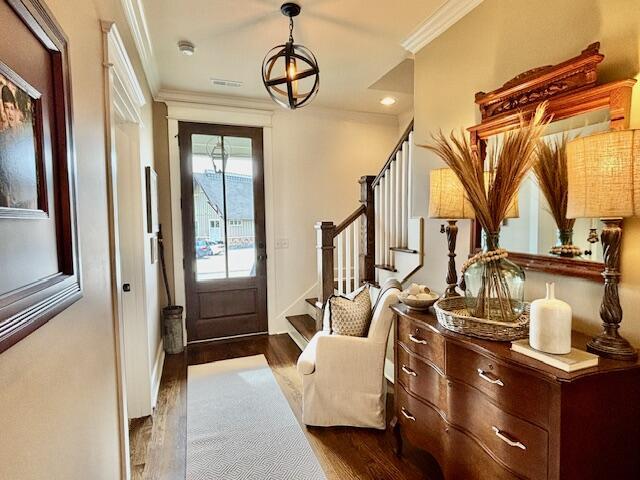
(189, 235)
(188, 111)
(123, 99)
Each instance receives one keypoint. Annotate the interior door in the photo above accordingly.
(223, 230)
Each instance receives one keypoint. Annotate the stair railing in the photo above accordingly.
(349, 253)
(346, 251)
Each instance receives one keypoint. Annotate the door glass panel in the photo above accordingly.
(223, 207)
(239, 201)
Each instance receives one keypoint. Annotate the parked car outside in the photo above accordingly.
(203, 249)
(217, 247)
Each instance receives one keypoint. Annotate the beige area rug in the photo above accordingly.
(240, 426)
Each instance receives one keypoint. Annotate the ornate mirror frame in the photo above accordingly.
(571, 89)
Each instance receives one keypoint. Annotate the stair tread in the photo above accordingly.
(389, 268)
(313, 302)
(304, 324)
(403, 249)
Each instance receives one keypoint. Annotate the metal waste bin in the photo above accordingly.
(172, 329)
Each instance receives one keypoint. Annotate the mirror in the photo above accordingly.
(578, 106)
(535, 230)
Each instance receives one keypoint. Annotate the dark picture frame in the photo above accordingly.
(38, 299)
(151, 184)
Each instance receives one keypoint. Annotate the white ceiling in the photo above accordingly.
(356, 42)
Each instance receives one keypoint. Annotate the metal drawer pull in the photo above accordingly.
(408, 371)
(408, 415)
(417, 340)
(483, 375)
(507, 440)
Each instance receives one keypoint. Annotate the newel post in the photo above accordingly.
(367, 256)
(325, 233)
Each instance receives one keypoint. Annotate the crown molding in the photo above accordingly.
(125, 79)
(137, 21)
(234, 103)
(438, 23)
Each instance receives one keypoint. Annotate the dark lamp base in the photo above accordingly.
(612, 346)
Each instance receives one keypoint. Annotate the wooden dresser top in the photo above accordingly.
(502, 350)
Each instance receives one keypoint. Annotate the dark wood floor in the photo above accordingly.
(158, 445)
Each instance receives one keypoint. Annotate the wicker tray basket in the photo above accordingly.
(453, 315)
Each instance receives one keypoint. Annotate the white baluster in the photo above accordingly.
(409, 176)
(387, 211)
(398, 225)
(393, 211)
(339, 248)
(347, 250)
(405, 194)
(377, 209)
(357, 238)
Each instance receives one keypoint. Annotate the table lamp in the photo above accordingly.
(604, 182)
(447, 200)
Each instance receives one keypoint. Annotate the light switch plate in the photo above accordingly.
(282, 243)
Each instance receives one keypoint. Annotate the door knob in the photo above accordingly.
(126, 287)
(262, 257)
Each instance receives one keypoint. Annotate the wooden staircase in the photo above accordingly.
(379, 240)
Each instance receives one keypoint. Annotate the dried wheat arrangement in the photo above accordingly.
(550, 168)
(507, 167)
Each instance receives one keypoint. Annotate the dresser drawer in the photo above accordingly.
(519, 444)
(420, 378)
(460, 456)
(467, 460)
(422, 341)
(514, 390)
(421, 424)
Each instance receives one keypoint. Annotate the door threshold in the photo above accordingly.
(228, 339)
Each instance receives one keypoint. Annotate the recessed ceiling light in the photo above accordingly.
(388, 101)
(186, 47)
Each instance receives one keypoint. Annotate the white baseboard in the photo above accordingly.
(156, 375)
(388, 370)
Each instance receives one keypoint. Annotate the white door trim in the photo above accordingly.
(225, 115)
(123, 98)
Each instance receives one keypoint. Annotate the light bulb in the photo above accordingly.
(292, 70)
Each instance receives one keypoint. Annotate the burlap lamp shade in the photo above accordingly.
(604, 182)
(604, 175)
(448, 200)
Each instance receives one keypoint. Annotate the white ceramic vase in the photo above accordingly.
(550, 324)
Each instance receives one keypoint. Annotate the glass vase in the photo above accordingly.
(494, 285)
(565, 246)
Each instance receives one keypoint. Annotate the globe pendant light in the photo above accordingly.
(290, 72)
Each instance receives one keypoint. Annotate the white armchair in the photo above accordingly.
(343, 377)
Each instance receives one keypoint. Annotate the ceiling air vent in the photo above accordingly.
(219, 82)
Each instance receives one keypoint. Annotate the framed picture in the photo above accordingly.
(22, 186)
(39, 257)
(151, 178)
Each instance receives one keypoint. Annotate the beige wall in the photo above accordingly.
(496, 41)
(58, 386)
(318, 157)
(161, 149)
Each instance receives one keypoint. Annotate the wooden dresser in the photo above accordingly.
(485, 412)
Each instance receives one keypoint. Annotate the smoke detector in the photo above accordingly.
(186, 47)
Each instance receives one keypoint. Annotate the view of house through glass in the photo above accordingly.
(223, 207)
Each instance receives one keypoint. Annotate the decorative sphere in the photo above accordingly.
(291, 75)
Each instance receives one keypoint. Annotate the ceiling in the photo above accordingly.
(357, 44)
